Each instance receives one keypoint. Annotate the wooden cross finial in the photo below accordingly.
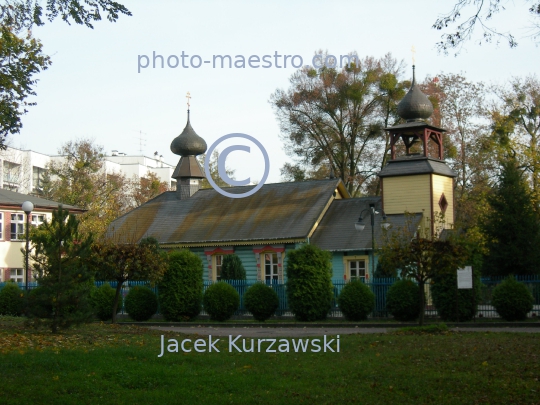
(188, 96)
(413, 51)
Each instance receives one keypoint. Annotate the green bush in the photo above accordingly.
(102, 301)
(444, 292)
(403, 300)
(221, 300)
(512, 300)
(141, 303)
(356, 301)
(181, 289)
(262, 301)
(309, 283)
(11, 300)
(232, 268)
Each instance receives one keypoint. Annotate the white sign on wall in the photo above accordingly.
(464, 278)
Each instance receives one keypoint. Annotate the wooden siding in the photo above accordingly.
(443, 184)
(248, 260)
(407, 194)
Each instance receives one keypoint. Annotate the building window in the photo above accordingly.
(17, 275)
(218, 261)
(1, 227)
(37, 178)
(214, 258)
(12, 172)
(37, 220)
(17, 226)
(271, 266)
(356, 267)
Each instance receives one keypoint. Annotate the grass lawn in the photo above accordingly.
(101, 364)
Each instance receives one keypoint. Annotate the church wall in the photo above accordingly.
(337, 266)
(407, 193)
(248, 260)
(443, 184)
(339, 258)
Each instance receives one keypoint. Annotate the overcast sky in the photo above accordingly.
(94, 90)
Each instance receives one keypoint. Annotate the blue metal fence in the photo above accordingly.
(378, 286)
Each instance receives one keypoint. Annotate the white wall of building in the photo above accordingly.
(18, 168)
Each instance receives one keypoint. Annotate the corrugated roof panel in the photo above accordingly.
(280, 210)
(337, 232)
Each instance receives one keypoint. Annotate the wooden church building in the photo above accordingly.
(264, 227)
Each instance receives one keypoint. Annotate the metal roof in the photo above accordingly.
(276, 211)
(415, 105)
(188, 142)
(11, 198)
(337, 232)
(413, 125)
(416, 165)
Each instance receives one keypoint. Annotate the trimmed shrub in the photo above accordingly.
(11, 300)
(403, 300)
(141, 303)
(232, 268)
(221, 300)
(262, 301)
(309, 283)
(102, 301)
(356, 301)
(181, 289)
(512, 300)
(444, 292)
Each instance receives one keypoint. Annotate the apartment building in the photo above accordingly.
(22, 170)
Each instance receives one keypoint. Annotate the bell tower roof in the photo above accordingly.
(415, 106)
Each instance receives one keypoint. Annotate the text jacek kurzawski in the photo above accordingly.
(238, 345)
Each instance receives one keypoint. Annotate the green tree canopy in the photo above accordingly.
(21, 58)
(64, 272)
(80, 179)
(511, 227)
(332, 118)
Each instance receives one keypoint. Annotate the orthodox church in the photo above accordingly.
(262, 228)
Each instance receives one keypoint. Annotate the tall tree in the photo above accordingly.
(60, 257)
(21, 56)
(516, 126)
(472, 151)
(143, 189)
(478, 13)
(512, 227)
(331, 117)
(79, 177)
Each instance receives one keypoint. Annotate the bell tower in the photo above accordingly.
(416, 178)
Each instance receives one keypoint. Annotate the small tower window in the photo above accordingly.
(443, 203)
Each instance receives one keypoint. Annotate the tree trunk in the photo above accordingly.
(116, 297)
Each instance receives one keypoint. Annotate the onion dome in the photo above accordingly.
(415, 106)
(188, 143)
